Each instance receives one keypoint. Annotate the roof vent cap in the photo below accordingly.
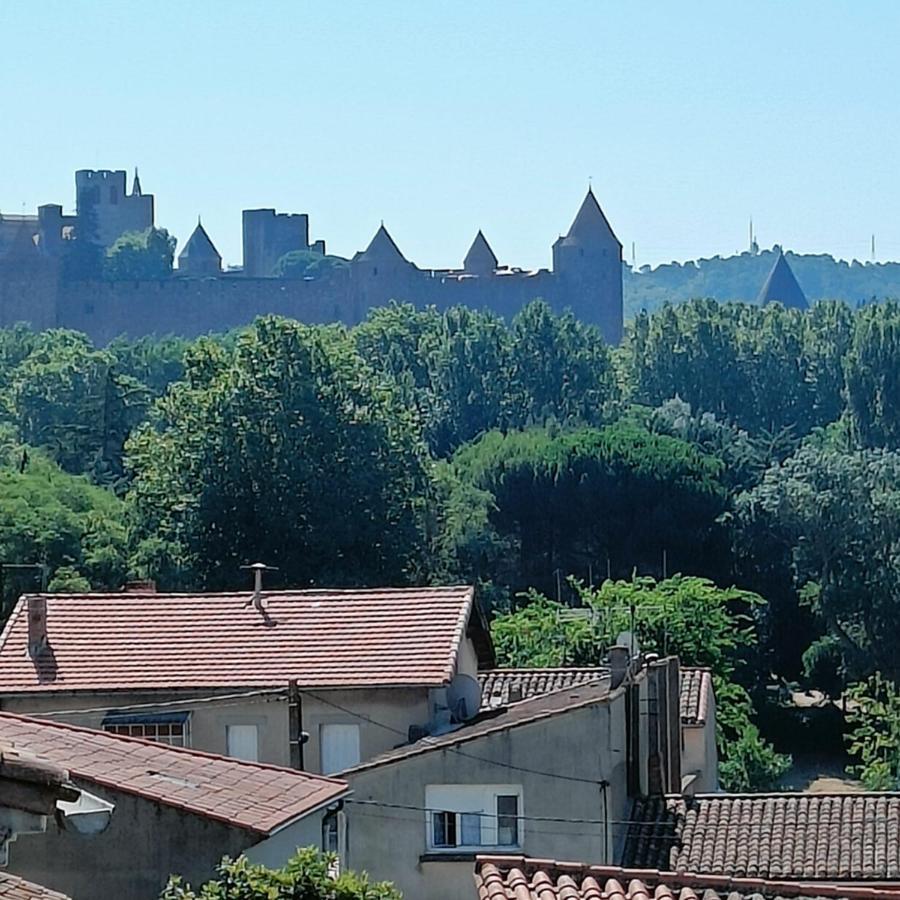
(258, 568)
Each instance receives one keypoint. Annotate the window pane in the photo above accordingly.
(444, 829)
(507, 820)
(471, 829)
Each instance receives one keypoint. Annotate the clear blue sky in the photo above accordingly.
(443, 117)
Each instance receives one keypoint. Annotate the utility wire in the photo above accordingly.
(223, 699)
(451, 749)
(769, 827)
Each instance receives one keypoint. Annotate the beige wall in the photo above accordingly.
(390, 843)
(700, 755)
(133, 858)
(276, 850)
(384, 715)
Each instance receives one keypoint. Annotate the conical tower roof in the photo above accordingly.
(382, 247)
(590, 223)
(199, 247)
(781, 287)
(136, 187)
(480, 257)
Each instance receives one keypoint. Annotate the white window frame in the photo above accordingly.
(323, 729)
(161, 731)
(465, 800)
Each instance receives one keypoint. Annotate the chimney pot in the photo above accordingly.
(37, 625)
(145, 586)
(619, 660)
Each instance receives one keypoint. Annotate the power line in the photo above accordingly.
(769, 827)
(223, 699)
(596, 782)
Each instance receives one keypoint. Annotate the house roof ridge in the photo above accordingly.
(770, 795)
(128, 770)
(597, 668)
(718, 883)
(471, 730)
(156, 745)
(279, 592)
(322, 637)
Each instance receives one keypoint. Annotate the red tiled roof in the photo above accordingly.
(391, 637)
(835, 837)
(519, 878)
(15, 888)
(696, 689)
(496, 684)
(257, 797)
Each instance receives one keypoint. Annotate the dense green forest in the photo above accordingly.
(741, 277)
(727, 482)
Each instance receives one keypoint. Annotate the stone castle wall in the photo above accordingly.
(193, 306)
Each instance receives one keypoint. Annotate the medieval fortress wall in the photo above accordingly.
(199, 298)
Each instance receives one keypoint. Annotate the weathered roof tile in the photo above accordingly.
(357, 637)
(518, 878)
(215, 787)
(15, 888)
(835, 837)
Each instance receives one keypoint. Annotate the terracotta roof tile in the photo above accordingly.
(253, 796)
(14, 888)
(520, 878)
(498, 686)
(364, 637)
(696, 689)
(840, 837)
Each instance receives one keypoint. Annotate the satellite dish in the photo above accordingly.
(628, 639)
(463, 698)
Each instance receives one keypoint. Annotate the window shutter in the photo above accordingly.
(339, 747)
(243, 741)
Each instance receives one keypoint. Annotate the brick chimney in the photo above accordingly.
(37, 625)
(146, 586)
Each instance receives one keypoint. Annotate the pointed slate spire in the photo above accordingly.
(382, 248)
(590, 223)
(199, 256)
(480, 260)
(136, 187)
(781, 286)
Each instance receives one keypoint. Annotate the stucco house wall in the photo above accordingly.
(132, 860)
(382, 714)
(387, 825)
(700, 756)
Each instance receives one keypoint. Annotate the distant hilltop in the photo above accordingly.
(55, 272)
(820, 276)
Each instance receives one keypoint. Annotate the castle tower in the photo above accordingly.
(381, 273)
(480, 260)
(782, 287)
(104, 208)
(381, 256)
(267, 236)
(588, 263)
(199, 256)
